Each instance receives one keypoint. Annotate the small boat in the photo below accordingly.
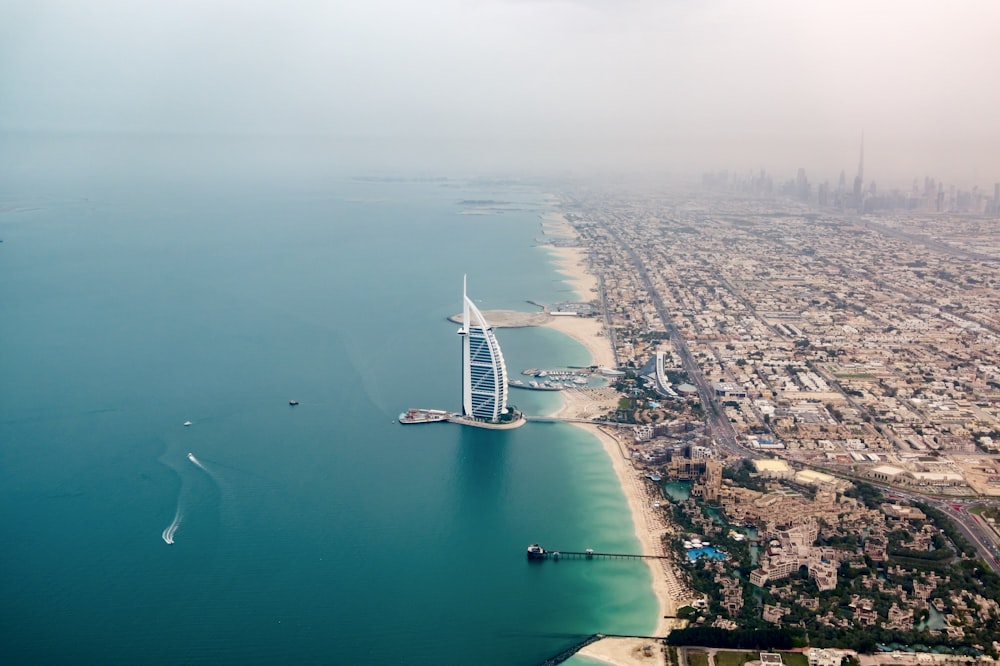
(187, 423)
(536, 552)
(293, 402)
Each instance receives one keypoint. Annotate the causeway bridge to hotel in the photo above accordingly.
(561, 419)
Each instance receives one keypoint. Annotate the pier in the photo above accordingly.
(536, 552)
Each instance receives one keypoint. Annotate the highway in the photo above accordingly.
(966, 522)
(724, 435)
(970, 528)
(719, 426)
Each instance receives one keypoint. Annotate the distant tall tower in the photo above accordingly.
(859, 180)
(802, 190)
(484, 374)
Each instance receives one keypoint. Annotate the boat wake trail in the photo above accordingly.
(227, 509)
(168, 534)
(183, 498)
(198, 491)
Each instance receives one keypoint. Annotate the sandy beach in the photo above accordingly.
(570, 261)
(650, 525)
(589, 332)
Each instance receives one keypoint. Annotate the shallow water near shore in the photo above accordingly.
(140, 298)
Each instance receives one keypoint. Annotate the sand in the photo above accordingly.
(650, 524)
(572, 263)
(589, 332)
(626, 651)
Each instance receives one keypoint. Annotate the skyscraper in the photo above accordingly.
(484, 374)
(859, 180)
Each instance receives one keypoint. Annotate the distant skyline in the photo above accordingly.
(540, 87)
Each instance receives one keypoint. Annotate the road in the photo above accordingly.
(719, 426)
(722, 430)
(966, 523)
(971, 530)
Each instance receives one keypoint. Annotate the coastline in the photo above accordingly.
(648, 524)
(571, 263)
(570, 260)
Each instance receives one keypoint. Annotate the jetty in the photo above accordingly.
(536, 552)
(572, 650)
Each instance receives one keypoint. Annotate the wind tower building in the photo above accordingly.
(484, 374)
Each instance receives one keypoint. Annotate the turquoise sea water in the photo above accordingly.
(142, 289)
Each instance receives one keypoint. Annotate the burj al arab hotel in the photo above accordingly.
(484, 373)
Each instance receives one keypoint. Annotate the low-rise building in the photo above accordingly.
(773, 469)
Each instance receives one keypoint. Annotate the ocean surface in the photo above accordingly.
(145, 282)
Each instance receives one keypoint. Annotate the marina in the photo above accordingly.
(552, 380)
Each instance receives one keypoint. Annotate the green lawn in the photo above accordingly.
(697, 659)
(735, 658)
(738, 658)
(794, 659)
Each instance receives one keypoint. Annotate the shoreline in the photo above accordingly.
(572, 264)
(570, 260)
(648, 525)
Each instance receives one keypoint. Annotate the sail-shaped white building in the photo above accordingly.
(484, 374)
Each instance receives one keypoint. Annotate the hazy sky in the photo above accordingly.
(533, 83)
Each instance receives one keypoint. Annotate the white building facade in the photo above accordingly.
(484, 373)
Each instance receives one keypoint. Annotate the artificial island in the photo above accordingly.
(484, 379)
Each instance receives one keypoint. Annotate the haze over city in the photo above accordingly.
(725, 388)
(525, 86)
